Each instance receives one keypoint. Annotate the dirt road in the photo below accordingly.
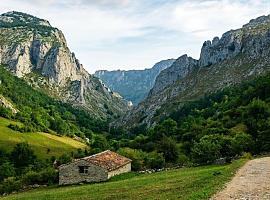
(251, 182)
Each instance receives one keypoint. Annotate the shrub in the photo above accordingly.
(205, 151)
(242, 142)
(137, 157)
(31, 178)
(14, 127)
(169, 148)
(47, 176)
(65, 158)
(22, 155)
(154, 160)
(247, 156)
(6, 170)
(9, 185)
(5, 112)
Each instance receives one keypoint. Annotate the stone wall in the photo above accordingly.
(69, 174)
(126, 168)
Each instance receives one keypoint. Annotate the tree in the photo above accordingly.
(22, 155)
(137, 157)
(242, 142)
(155, 160)
(100, 142)
(7, 170)
(206, 150)
(168, 147)
(65, 158)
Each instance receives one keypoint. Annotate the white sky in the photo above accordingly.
(135, 34)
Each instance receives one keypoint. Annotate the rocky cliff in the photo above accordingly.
(133, 85)
(34, 50)
(237, 56)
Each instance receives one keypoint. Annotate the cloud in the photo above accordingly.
(127, 34)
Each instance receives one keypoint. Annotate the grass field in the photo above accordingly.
(187, 183)
(40, 142)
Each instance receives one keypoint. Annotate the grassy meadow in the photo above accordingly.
(186, 183)
(39, 142)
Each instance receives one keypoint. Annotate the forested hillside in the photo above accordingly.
(224, 124)
(39, 112)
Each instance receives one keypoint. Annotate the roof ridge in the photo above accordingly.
(95, 154)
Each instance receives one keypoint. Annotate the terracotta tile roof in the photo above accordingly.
(108, 160)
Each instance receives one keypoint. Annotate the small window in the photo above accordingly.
(83, 169)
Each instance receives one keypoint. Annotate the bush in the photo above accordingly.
(242, 142)
(9, 185)
(65, 158)
(205, 151)
(7, 170)
(137, 157)
(5, 112)
(31, 178)
(47, 176)
(183, 160)
(155, 160)
(247, 156)
(14, 127)
(169, 148)
(22, 155)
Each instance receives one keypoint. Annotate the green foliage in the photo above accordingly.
(100, 143)
(185, 183)
(137, 157)
(65, 158)
(206, 150)
(155, 160)
(47, 176)
(5, 112)
(142, 160)
(9, 185)
(22, 155)
(6, 170)
(39, 112)
(224, 124)
(168, 147)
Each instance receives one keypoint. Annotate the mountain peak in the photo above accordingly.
(18, 19)
(262, 20)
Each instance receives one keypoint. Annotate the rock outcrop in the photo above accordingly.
(7, 104)
(133, 85)
(178, 70)
(237, 56)
(32, 49)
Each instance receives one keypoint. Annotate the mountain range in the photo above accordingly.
(34, 50)
(237, 56)
(133, 85)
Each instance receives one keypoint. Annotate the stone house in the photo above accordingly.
(95, 168)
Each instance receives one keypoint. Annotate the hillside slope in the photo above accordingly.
(133, 85)
(187, 183)
(237, 56)
(39, 142)
(34, 50)
(39, 112)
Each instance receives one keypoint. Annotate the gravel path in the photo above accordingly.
(251, 182)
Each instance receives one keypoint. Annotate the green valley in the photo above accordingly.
(187, 183)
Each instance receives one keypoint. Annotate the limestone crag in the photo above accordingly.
(237, 56)
(133, 85)
(32, 49)
(179, 69)
(5, 103)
